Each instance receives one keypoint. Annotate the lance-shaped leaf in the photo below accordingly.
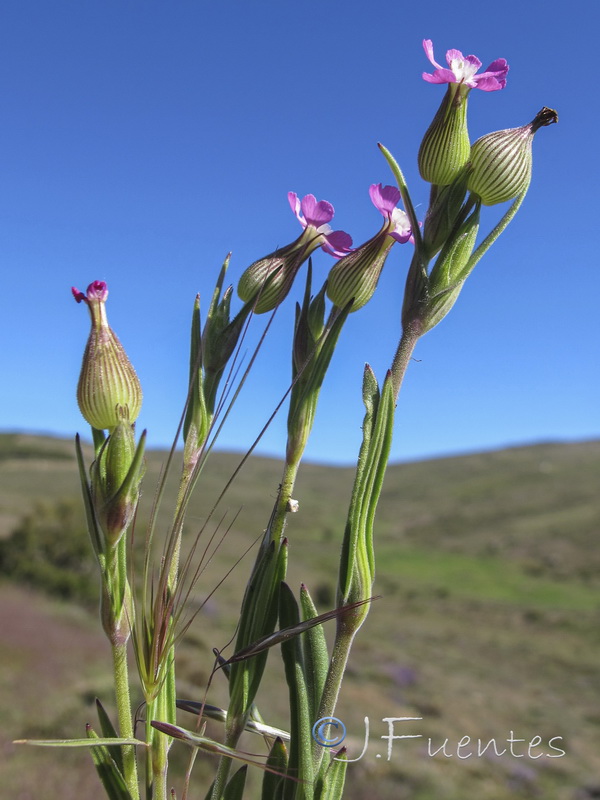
(108, 730)
(196, 422)
(311, 358)
(258, 619)
(96, 742)
(273, 782)
(108, 771)
(357, 565)
(333, 783)
(300, 758)
(92, 524)
(316, 656)
(235, 787)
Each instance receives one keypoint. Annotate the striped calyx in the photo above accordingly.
(270, 279)
(500, 167)
(108, 387)
(355, 276)
(445, 147)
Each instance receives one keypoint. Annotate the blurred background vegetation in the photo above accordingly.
(489, 576)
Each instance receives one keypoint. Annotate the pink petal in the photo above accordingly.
(439, 76)
(79, 296)
(428, 47)
(294, 202)
(473, 60)
(98, 290)
(338, 243)
(384, 198)
(489, 84)
(499, 65)
(316, 214)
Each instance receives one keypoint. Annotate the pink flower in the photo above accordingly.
(354, 278)
(317, 215)
(270, 278)
(385, 200)
(97, 291)
(462, 69)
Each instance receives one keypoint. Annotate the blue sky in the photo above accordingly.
(142, 141)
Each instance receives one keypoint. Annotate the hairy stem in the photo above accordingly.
(121, 678)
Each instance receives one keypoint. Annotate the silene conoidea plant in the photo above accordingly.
(147, 610)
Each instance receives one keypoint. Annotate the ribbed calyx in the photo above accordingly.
(500, 167)
(445, 147)
(355, 276)
(108, 382)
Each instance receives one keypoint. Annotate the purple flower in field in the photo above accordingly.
(462, 69)
(445, 148)
(355, 276)
(270, 278)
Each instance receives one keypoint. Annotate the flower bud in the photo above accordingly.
(445, 147)
(108, 382)
(355, 276)
(500, 168)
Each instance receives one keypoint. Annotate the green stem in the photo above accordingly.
(406, 346)
(157, 761)
(121, 678)
(348, 628)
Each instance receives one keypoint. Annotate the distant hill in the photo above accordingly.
(489, 574)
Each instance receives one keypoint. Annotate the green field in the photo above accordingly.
(487, 626)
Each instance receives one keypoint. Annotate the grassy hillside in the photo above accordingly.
(488, 622)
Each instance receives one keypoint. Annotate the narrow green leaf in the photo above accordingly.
(273, 781)
(235, 788)
(300, 758)
(333, 785)
(109, 731)
(99, 742)
(406, 199)
(108, 772)
(92, 526)
(316, 655)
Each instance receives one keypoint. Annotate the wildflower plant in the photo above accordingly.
(148, 612)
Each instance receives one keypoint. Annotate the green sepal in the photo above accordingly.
(300, 757)
(109, 731)
(108, 772)
(274, 778)
(316, 655)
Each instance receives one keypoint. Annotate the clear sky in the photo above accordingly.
(142, 140)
